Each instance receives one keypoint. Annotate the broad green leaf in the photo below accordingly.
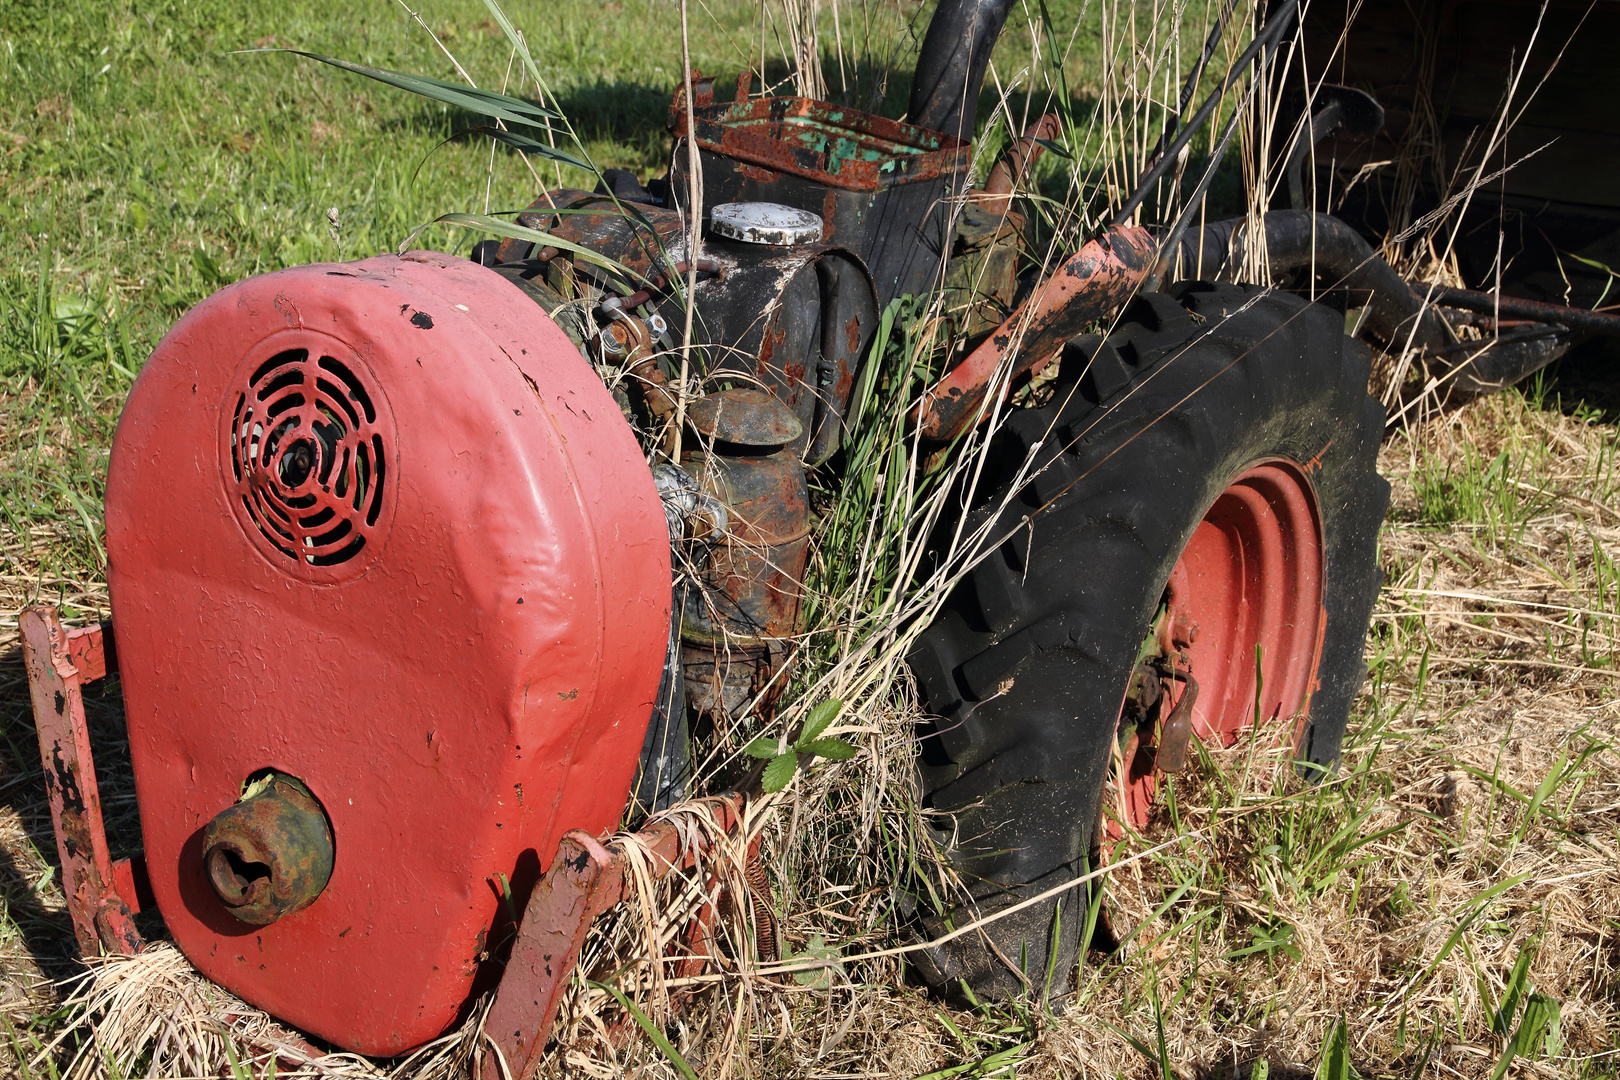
(763, 747)
(514, 110)
(816, 949)
(779, 772)
(831, 749)
(820, 718)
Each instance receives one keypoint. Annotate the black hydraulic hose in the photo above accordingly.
(1190, 87)
(950, 69)
(1268, 35)
(1303, 239)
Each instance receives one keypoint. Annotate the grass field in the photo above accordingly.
(1448, 905)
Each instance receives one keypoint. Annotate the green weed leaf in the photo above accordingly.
(1471, 911)
(486, 223)
(779, 772)
(514, 110)
(831, 749)
(1537, 1033)
(1336, 1055)
(533, 147)
(207, 268)
(763, 748)
(643, 1021)
(1502, 1021)
(816, 949)
(819, 720)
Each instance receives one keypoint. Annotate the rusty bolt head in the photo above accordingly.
(270, 854)
(616, 340)
(1183, 632)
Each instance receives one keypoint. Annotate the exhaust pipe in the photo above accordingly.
(950, 70)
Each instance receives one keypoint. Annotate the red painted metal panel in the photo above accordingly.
(458, 691)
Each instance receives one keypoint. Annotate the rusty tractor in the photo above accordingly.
(391, 566)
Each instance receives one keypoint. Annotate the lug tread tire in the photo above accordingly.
(1026, 669)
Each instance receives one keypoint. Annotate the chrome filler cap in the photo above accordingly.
(765, 223)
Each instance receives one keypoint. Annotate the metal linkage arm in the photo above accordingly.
(586, 879)
(101, 894)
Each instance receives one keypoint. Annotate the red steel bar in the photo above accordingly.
(1096, 280)
(59, 662)
(585, 879)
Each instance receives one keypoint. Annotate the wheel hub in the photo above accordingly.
(1243, 619)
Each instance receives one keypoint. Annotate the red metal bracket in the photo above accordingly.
(1097, 279)
(102, 895)
(585, 880)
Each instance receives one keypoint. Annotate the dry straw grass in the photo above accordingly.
(1475, 818)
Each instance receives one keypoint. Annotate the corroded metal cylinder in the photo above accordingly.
(270, 854)
(744, 607)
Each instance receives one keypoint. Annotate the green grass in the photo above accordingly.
(143, 163)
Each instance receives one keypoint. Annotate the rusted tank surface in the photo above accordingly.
(379, 532)
(741, 608)
(882, 187)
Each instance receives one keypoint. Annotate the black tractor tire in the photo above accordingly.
(1025, 672)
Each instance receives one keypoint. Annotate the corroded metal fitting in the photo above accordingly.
(270, 854)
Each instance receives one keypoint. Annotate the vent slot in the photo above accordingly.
(307, 451)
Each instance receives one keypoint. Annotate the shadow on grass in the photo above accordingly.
(1585, 382)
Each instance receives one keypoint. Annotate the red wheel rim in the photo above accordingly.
(1251, 575)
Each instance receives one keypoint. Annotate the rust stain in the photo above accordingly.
(759, 132)
(1316, 462)
(1096, 280)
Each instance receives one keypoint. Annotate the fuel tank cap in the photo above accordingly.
(765, 223)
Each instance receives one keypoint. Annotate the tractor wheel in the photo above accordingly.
(1203, 481)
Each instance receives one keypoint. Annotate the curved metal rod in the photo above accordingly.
(1274, 28)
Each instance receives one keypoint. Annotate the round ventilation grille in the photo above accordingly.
(308, 446)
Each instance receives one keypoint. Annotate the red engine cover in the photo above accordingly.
(447, 617)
